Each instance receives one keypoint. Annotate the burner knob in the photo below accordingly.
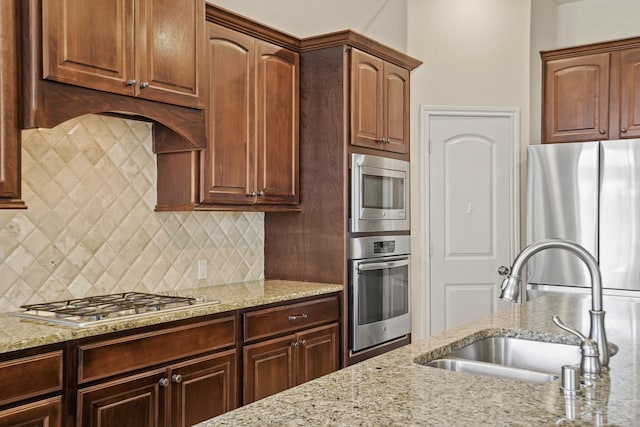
(176, 378)
(164, 382)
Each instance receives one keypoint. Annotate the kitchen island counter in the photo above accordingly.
(393, 390)
(19, 334)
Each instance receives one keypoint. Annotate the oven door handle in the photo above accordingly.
(382, 265)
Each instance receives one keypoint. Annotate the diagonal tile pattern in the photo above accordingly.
(90, 228)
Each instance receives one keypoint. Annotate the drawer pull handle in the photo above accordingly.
(176, 378)
(298, 316)
(164, 382)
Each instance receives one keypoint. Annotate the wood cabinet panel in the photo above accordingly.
(268, 368)
(366, 99)
(9, 106)
(630, 93)
(207, 388)
(89, 44)
(291, 317)
(379, 104)
(145, 48)
(277, 124)
(576, 99)
(169, 51)
(318, 353)
(42, 413)
(228, 165)
(105, 358)
(44, 374)
(135, 401)
(252, 120)
(396, 108)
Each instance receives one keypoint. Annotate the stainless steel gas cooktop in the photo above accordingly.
(105, 308)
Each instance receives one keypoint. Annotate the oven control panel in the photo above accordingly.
(379, 246)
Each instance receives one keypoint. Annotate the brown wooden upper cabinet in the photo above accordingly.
(591, 92)
(252, 113)
(144, 48)
(9, 107)
(380, 103)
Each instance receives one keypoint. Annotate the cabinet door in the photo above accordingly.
(630, 93)
(229, 159)
(171, 35)
(576, 99)
(268, 368)
(366, 99)
(9, 107)
(396, 108)
(89, 43)
(277, 124)
(317, 352)
(42, 413)
(203, 388)
(136, 401)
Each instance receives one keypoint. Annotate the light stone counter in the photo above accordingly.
(19, 334)
(392, 390)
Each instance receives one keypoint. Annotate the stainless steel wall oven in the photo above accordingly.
(378, 290)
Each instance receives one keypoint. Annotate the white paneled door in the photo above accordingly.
(472, 211)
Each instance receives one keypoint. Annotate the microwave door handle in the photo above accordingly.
(383, 265)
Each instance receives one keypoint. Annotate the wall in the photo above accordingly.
(475, 53)
(589, 21)
(382, 20)
(90, 228)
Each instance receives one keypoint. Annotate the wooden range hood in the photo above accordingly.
(179, 133)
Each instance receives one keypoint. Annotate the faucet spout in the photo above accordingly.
(510, 288)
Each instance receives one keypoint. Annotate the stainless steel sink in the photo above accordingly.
(512, 358)
(492, 370)
(521, 353)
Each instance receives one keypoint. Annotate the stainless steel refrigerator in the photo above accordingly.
(588, 193)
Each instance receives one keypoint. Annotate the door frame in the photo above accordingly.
(426, 112)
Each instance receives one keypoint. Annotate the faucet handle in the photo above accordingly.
(590, 363)
(503, 270)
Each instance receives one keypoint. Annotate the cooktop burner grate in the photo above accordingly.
(89, 310)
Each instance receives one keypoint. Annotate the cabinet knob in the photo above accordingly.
(164, 382)
(176, 378)
(602, 131)
(252, 194)
(623, 130)
(131, 82)
(295, 344)
(260, 193)
(380, 141)
(303, 343)
(144, 85)
(387, 141)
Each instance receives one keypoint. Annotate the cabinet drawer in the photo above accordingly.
(111, 357)
(291, 317)
(30, 376)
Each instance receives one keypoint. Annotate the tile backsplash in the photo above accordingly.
(90, 227)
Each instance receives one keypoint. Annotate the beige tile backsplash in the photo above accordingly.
(90, 227)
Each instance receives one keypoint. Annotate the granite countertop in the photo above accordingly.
(19, 334)
(392, 390)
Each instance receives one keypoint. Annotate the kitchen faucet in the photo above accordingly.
(511, 288)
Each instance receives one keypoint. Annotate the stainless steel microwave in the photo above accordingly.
(379, 194)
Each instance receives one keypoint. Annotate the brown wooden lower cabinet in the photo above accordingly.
(42, 413)
(277, 364)
(181, 394)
